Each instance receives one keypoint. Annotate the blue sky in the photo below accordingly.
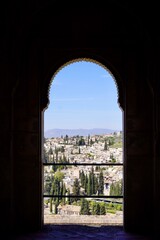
(83, 95)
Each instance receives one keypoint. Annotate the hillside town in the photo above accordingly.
(83, 172)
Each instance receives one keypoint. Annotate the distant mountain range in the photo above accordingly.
(73, 132)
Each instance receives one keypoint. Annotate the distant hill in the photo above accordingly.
(73, 132)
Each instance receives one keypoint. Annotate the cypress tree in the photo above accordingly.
(84, 207)
(64, 193)
(96, 184)
(86, 184)
(82, 178)
(68, 197)
(76, 189)
(88, 140)
(105, 145)
(89, 185)
(92, 181)
(101, 183)
(56, 152)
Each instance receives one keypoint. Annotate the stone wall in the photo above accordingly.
(108, 219)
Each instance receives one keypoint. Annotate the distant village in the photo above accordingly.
(67, 174)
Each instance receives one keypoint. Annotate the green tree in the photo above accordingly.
(56, 189)
(95, 184)
(54, 167)
(91, 142)
(88, 140)
(76, 189)
(102, 208)
(98, 209)
(66, 139)
(89, 185)
(57, 185)
(116, 188)
(81, 141)
(56, 152)
(63, 190)
(111, 141)
(92, 181)
(68, 197)
(105, 145)
(86, 183)
(84, 207)
(59, 175)
(101, 183)
(95, 208)
(82, 178)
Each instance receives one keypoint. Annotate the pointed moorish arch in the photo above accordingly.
(57, 67)
(115, 77)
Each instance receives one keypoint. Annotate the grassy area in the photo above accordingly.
(116, 145)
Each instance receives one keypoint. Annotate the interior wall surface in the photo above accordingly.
(37, 44)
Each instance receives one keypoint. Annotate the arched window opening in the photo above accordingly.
(83, 147)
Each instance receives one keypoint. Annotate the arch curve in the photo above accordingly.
(54, 71)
